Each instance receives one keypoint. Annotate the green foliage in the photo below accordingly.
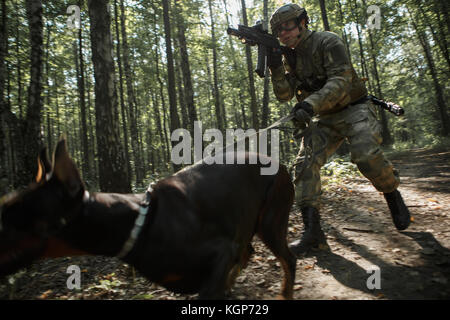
(337, 171)
(404, 73)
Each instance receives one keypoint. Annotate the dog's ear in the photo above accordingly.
(65, 170)
(44, 166)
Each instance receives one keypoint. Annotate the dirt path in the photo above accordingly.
(414, 264)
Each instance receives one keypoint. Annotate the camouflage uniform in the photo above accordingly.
(325, 78)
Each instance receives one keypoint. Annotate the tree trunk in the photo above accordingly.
(186, 69)
(440, 100)
(32, 138)
(323, 10)
(344, 33)
(236, 70)
(386, 134)
(4, 181)
(47, 83)
(161, 126)
(444, 9)
(216, 93)
(92, 140)
(113, 176)
(248, 54)
(181, 97)
(132, 105)
(438, 37)
(265, 104)
(55, 88)
(162, 135)
(18, 63)
(123, 109)
(86, 164)
(174, 119)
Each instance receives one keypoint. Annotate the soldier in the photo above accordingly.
(328, 88)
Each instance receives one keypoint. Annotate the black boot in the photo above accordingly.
(399, 211)
(313, 236)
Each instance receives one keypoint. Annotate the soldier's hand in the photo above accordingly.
(274, 58)
(303, 111)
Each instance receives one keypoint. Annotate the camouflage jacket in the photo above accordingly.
(323, 74)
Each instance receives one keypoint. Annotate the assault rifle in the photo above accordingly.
(389, 106)
(266, 42)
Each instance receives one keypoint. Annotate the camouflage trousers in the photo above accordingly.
(359, 125)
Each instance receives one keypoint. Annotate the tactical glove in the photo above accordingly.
(302, 111)
(274, 58)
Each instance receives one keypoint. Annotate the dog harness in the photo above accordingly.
(139, 222)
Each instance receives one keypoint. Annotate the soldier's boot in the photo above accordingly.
(313, 236)
(399, 211)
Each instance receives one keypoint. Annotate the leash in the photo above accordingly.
(311, 130)
(274, 125)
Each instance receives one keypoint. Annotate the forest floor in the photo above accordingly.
(412, 264)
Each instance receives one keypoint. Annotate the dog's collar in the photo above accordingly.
(86, 196)
(138, 224)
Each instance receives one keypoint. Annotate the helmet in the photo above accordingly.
(284, 14)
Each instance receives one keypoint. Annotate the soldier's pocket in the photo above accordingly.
(356, 114)
(373, 119)
(364, 124)
(373, 110)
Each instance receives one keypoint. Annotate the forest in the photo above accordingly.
(117, 77)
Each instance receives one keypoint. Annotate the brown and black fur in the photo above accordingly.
(196, 238)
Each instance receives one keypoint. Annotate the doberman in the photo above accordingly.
(193, 237)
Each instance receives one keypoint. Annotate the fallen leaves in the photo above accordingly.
(46, 294)
(261, 282)
(380, 296)
(241, 279)
(142, 297)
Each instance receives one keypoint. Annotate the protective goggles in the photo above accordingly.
(287, 26)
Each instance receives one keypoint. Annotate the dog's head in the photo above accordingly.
(29, 218)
